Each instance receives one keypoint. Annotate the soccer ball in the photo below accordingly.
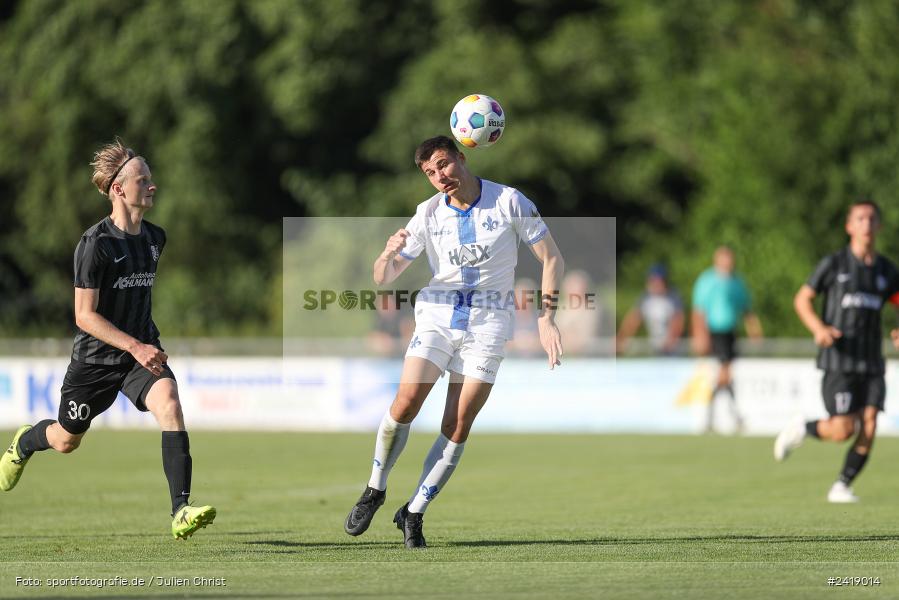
(477, 121)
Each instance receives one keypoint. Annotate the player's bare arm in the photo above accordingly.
(630, 324)
(803, 303)
(700, 333)
(894, 333)
(547, 252)
(90, 321)
(753, 326)
(390, 264)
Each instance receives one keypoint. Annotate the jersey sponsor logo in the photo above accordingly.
(468, 255)
(119, 259)
(135, 280)
(154, 251)
(861, 300)
(490, 224)
(881, 283)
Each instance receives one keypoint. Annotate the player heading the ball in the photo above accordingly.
(469, 232)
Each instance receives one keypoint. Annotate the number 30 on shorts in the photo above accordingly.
(80, 412)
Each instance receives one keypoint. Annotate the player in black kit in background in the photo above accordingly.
(117, 345)
(855, 282)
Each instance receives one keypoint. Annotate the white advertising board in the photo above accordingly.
(344, 394)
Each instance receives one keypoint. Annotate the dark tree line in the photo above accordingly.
(694, 122)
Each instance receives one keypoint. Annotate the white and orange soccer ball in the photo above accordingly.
(477, 121)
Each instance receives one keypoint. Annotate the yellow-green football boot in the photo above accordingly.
(11, 464)
(190, 518)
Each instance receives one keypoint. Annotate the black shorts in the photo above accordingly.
(724, 346)
(848, 393)
(89, 390)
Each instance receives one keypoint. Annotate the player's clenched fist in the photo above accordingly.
(827, 335)
(395, 244)
(151, 357)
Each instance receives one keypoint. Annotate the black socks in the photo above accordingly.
(854, 464)
(811, 428)
(35, 439)
(177, 465)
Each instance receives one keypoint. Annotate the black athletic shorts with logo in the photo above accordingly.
(847, 393)
(89, 390)
(724, 346)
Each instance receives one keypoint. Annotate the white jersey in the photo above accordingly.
(472, 255)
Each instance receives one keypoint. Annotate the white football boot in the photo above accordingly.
(789, 439)
(840, 493)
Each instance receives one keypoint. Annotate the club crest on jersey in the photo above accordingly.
(154, 251)
(468, 255)
(881, 283)
(490, 224)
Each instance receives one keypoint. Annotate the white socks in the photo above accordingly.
(438, 466)
(434, 454)
(391, 440)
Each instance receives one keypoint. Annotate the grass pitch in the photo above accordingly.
(525, 516)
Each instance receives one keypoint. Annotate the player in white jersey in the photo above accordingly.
(469, 231)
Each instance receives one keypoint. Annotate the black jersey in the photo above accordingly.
(123, 267)
(854, 293)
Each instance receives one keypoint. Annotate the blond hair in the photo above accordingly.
(108, 162)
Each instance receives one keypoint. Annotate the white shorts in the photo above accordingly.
(475, 355)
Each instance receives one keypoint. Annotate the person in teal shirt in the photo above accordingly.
(720, 301)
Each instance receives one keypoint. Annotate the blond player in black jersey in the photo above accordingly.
(117, 345)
